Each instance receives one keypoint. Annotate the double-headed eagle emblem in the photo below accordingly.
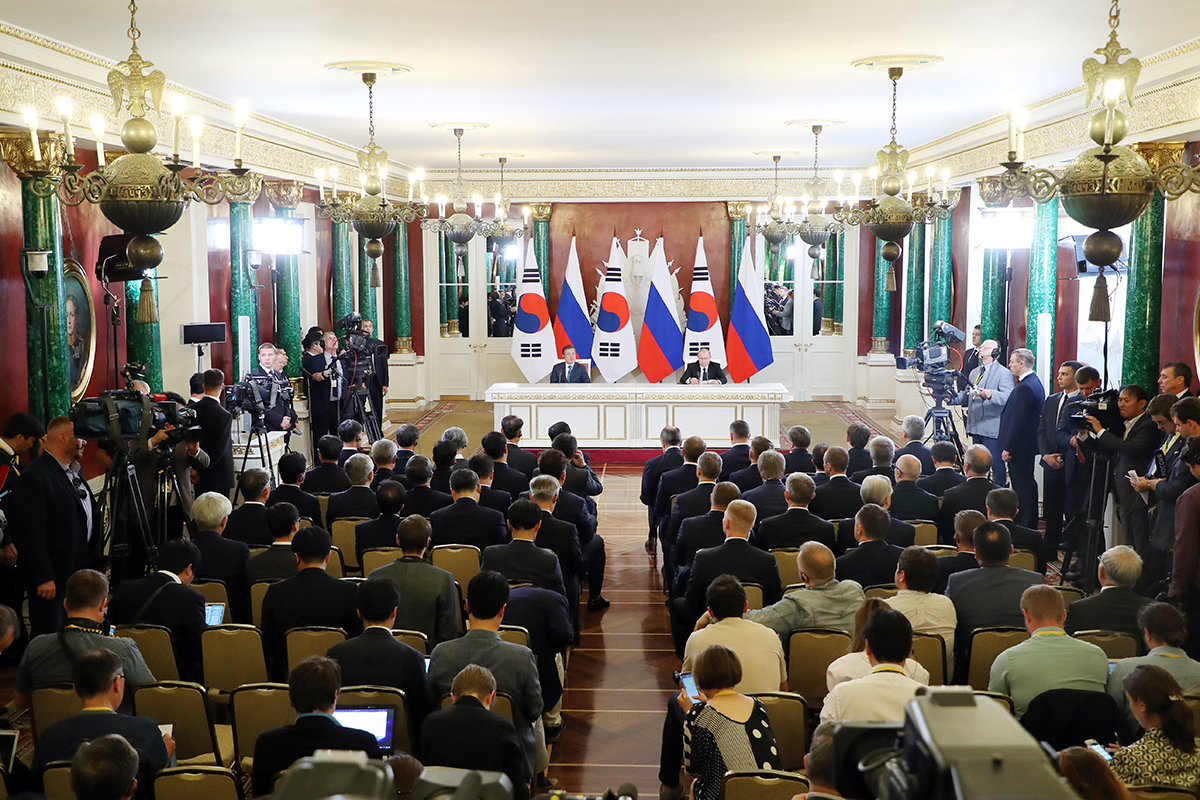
(137, 84)
(1096, 75)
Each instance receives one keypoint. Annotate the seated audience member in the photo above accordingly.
(972, 493)
(882, 450)
(571, 508)
(105, 768)
(483, 466)
(706, 530)
(798, 459)
(914, 432)
(1117, 606)
(990, 596)
(694, 502)
(327, 476)
(505, 476)
(545, 615)
(820, 477)
(757, 646)
(312, 597)
(248, 522)
(375, 657)
(494, 742)
(882, 694)
(167, 598)
(855, 664)
(874, 561)
(465, 521)
(383, 456)
(421, 499)
(291, 475)
(277, 562)
(820, 764)
(48, 658)
(945, 473)
(749, 477)
(430, 599)
(1165, 634)
(878, 491)
(1002, 508)
(1089, 775)
(910, 501)
(965, 523)
(349, 433)
(580, 480)
(221, 559)
(512, 664)
(520, 560)
(916, 574)
(521, 460)
(768, 498)
(313, 686)
(797, 525)
(738, 455)
(445, 455)
(358, 500)
(1048, 659)
(670, 458)
(837, 497)
(825, 603)
(560, 538)
(100, 683)
(858, 436)
(407, 437)
(457, 437)
(676, 482)
(728, 731)
(381, 531)
(1166, 755)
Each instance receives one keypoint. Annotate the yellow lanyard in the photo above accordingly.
(889, 668)
(1051, 633)
(722, 693)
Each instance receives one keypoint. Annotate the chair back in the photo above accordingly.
(377, 557)
(323, 502)
(882, 590)
(310, 640)
(1068, 717)
(417, 640)
(460, 560)
(1000, 698)
(810, 651)
(766, 784)
(181, 705)
(154, 643)
(1070, 593)
(942, 550)
(50, 704)
(929, 650)
(926, 534)
(337, 562)
(256, 708)
(56, 781)
(785, 562)
(985, 645)
(233, 656)
(501, 704)
(786, 713)
(1115, 644)
(305, 522)
(258, 592)
(794, 587)
(198, 783)
(1154, 792)
(1193, 702)
(402, 733)
(754, 595)
(258, 548)
(342, 531)
(515, 634)
(1023, 559)
(214, 592)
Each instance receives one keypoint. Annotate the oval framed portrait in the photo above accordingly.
(80, 322)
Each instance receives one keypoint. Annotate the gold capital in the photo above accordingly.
(252, 193)
(738, 209)
(284, 194)
(993, 193)
(17, 151)
(1159, 154)
(540, 211)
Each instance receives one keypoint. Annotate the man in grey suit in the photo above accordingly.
(989, 596)
(513, 665)
(993, 384)
(522, 561)
(428, 599)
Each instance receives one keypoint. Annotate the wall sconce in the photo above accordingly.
(37, 262)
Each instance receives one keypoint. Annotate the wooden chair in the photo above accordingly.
(882, 591)
(49, 704)
(182, 705)
(785, 560)
(255, 708)
(1023, 559)
(1002, 699)
(154, 643)
(501, 704)
(764, 784)
(809, 652)
(460, 560)
(57, 781)
(198, 783)
(1070, 593)
(985, 645)
(310, 640)
(323, 502)
(337, 563)
(926, 532)
(377, 557)
(515, 634)
(402, 733)
(342, 531)
(233, 656)
(1152, 792)
(256, 549)
(305, 522)
(929, 650)
(794, 587)
(214, 592)
(786, 712)
(942, 550)
(258, 591)
(754, 595)
(417, 640)
(1115, 644)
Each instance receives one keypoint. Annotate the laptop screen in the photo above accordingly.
(375, 720)
(214, 613)
(8, 749)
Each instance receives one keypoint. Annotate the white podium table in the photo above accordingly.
(632, 414)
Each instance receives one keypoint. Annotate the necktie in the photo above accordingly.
(703, 374)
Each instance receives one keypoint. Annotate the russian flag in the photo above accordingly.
(571, 324)
(660, 352)
(749, 345)
(703, 324)
(533, 335)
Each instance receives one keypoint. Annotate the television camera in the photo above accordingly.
(1102, 406)
(358, 365)
(931, 359)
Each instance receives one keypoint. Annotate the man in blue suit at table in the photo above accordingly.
(1021, 415)
(569, 370)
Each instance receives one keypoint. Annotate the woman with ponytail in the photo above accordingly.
(1167, 754)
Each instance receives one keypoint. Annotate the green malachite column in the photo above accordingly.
(737, 240)
(243, 310)
(914, 291)
(1143, 296)
(49, 370)
(881, 314)
(1042, 297)
(443, 312)
(840, 277)
(942, 275)
(366, 292)
(991, 314)
(142, 341)
(402, 289)
(343, 287)
(284, 196)
(541, 241)
(789, 263)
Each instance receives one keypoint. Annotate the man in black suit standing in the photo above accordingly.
(407, 437)
(317, 367)
(221, 559)
(971, 357)
(914, 432)
(882, 450)
(55, 523)
(694, 502)
(278, 415)
(377, 383)
(518, 459)
(358, 500)
(738, 455)
(874, 560)
(1053, 425)
(505, 477)
(703, 370)
(421, 499)
(381, 531)
(839, 497)
(277, 562)
(313, 597)
(1132, 451)
(972, 493)
(465, 521)
(858, 436)
(1022, 413)
(798, 459)
(1116, 606)
(1003, 506)
(327, 476)
(945, 471)
(248, 522)
(910, 501)
(520, 560)
(376, 658)
(697, 533)
(217, 424)
(675, 482)
(797, 525)
(1169, 479)
(670, 458)
(20, 432)
(569, 370)
(291, 474)
(965, 523)
(483, 466)
(769, 499)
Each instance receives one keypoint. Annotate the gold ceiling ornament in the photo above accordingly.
(738, 209)
(284, 194)
(540, 211)
(17, 150)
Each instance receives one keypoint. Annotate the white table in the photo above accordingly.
(632, 414)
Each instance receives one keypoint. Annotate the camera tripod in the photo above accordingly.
(1090, 516)
(125, 507)
(166, 481)
(944, 429)
(356, 401)
(257, 438)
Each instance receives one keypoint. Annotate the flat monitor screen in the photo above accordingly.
(214, 613)
(375, 720)
(8, 749)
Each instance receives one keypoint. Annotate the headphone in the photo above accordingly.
(995, 353)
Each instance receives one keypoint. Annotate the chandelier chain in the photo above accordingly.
(816, 150)
(371, 110)
(895, 81)
(134, 33)
(1114, 16)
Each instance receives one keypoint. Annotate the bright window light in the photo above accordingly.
(282, 236)
(1007, 228)
(512, 252)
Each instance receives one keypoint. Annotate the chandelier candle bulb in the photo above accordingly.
(1012, 131)
(98, 132)
(177, 105)
(241, 115)
(945, 185)
(31, 119)
(496, 201)
(333, 176)
(321, 185)
(64, 113)
(478, 201)
(196, 124)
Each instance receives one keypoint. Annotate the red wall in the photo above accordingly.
(12, 289)
(1181, 274)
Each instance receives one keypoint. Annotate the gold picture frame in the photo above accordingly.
(81, 327)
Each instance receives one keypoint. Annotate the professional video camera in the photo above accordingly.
(1102, 406)
(952, 746)
(930, 359)
(180, 418)
(116, 416)
(356, 340)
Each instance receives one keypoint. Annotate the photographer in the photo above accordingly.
(1132, 451)
(377, 381)
(320, 368)
(992, 384)
(169, 452)
(271, 385)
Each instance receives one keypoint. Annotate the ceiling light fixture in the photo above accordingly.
(459, 227)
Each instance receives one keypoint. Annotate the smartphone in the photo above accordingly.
(1132, 474)
(689, 685)
(1094, 745)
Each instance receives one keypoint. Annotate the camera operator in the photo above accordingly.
(175, 453)
(320, 367)
(278, 416)
(217, 442)
(377, 382)
(992, 384)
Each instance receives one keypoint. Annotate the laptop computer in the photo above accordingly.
(379, 721)
(8, 749)
(214, 613)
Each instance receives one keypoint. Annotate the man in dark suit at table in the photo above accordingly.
(381, 531)
(910, 501)
(217, 425)
(291, 474)
(1003, 506)
(839, 498)
(703, 370)
(769, 499)
(221, 559)
(421, 499)
(874, 560)
(797, 525)
(798, 459)
(1116, 606)
(277, 562)
(1022, 414)
(519, 459)
(972, 493)
(520, 560)
(327, 476)
(914, 432)
(697, 533)
(248, 522)
(465, 521)
(1132, 451)
(505, 477)
(670, 458)
(569, 370)
(738, 455)
(358, 500)
(1054, 425)
(945, 471)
